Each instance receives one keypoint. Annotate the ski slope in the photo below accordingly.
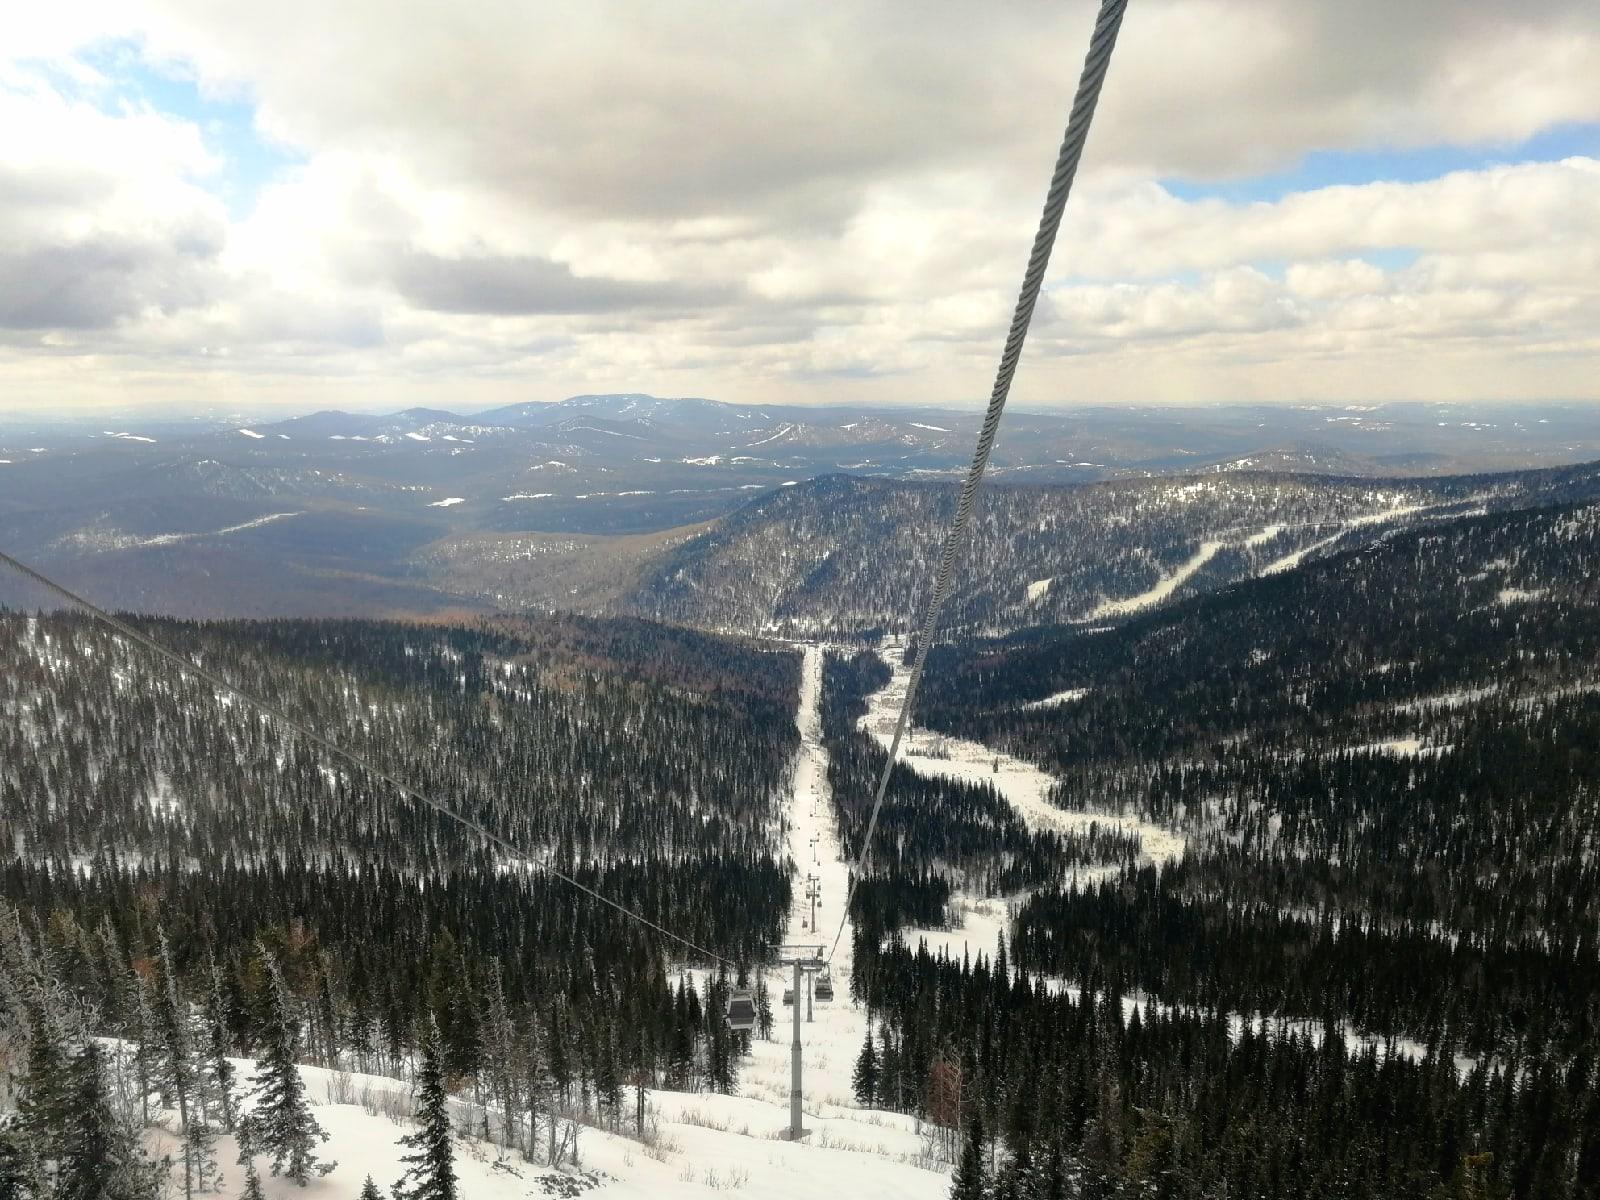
(701, 1144)
(1024, 786)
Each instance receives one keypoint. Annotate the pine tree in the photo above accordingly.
(969, 1182)
(764, 1023)
(252, 1182)
(369, 1191)
(431, 1173)
(280, 1124)
(217, 1071)
(181, 1074)
(866, 1073)
(100, 1159)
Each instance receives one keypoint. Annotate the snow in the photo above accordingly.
(99, 540)
(1163, 588)
(935, 428)
(833, 1037)
(1024, 786)
(785, 430)
(1290, 561)
(703, 1145)
(129, 437)
(1055, 698)
(1039, 587)
(1519, 595)
(709, 460)
(419, 437)
(448, 501)
(1020, 783)
(528, 496)
(251, 433)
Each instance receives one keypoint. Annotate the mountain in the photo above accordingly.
(1382, 762)
(843, 555)
(427, 510)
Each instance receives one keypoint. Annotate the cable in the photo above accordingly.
(332, 747)
(1098, 59)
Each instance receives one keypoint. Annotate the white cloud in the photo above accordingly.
(772, 202)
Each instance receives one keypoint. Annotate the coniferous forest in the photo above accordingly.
(1372, 972)
(195, 881)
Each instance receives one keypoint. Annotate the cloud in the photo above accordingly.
(100, 217)
(774, 202)
(528, 284)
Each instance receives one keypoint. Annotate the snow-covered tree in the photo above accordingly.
(280, 1123)
(100, 1158)
(431, 1172)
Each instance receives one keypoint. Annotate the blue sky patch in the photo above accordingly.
(1328, 168)
(227, 123)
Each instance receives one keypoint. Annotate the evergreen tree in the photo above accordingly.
(252, 1182)
(182, 1079)
(431, 1173)
(369, 1191)
(280, 1124)
(217, 1071)
(101, 1160)
(970, 1181)
(866, 1073)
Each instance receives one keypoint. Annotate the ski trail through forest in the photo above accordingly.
(1024, 786)
(834, 1035)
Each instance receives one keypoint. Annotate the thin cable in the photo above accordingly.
(332, 747)
(1101, 43)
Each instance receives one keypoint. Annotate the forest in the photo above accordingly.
(193, 880)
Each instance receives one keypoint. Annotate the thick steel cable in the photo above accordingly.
(1101, 43)
(335, 749)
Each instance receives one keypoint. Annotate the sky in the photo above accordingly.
(211, 204)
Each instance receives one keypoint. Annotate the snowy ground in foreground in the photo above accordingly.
(705, 1145)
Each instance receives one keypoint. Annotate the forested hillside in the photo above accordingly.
(178, 858)
(1385, 764)
(842, 556)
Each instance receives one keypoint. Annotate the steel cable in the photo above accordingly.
(1098, 59)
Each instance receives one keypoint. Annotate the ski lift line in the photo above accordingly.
(335, 749)
(1101, 43)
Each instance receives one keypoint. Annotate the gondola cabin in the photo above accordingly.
(742, 1010)
(824, 988)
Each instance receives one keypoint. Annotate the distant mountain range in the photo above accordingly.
(573, 503)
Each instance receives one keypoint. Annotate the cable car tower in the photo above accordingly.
(805, 961)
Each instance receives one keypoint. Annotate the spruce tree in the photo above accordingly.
(252, 1182)
(369, 1191)
(970, 1182)
(431, 1173)
(217, 1070)
(866, 1073)
(101, 1159)
(280, 1123)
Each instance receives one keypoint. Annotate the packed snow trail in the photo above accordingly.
(833, 1038)
(1021, 784)
(1163, 588)
(1024, 786)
